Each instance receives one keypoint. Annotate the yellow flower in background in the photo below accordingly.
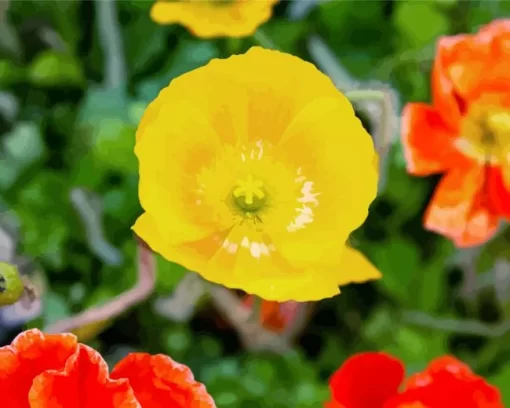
(254, 170)
(214, 18)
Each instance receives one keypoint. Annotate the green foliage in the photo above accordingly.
(62, 128)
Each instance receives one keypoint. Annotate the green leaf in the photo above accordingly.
(169, 274)
(432, 278)
(189, 55)
(287, 35)
(419, 23)
(502, 380)
(42, 206)
(114, 143)
(52, 68)
(10, 73)
(110, 119)
(24, 144)
(147, 42)
(55, 308)
(399, 262)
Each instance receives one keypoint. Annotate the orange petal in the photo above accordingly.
(275, 316)
(366, 380)
(30, 354)
(427, 140)
(83, 383)
(160, 382)
(447, 100)
(459, 208)
(467, 66)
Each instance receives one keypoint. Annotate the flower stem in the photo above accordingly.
(262, 39)
(111, 41)
(256, 310)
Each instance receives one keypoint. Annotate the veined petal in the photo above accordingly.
(170, 158)
(209, 19)
(83, 383)
(460, 209)
(366, 380)
(159, 382)
(428, 141)
(340, 185)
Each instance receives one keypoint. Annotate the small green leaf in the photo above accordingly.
(502, 380)
(169, 274)
(419, 23)
(55, 308)
(10, 73)
(51, 68)
(24, 144)
(399, 262)
(114, 144)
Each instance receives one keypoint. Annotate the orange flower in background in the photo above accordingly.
(465, 134)
(275, 316)
(55, 371)
(373, 380)
(214, 18)
(254, 171)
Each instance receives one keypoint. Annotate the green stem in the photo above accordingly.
(365, 95)
(256, 310)
(458, 326)
(262, 39)
(111, 41)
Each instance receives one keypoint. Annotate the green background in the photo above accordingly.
(59, 123)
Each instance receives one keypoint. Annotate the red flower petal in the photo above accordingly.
(442, 364)
(160, 382)
(498, 190)
(366, 380)
(30, 354)
(428, 141)
(83, 383)
(460, 209)
(447, 383)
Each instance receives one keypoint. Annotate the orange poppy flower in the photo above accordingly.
(275, 316)
(373, 380)
(465, 134)
(214, 18)
(55, 371)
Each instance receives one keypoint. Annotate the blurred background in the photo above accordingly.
(67, 203)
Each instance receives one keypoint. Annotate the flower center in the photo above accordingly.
(249, 194)
(486, 134)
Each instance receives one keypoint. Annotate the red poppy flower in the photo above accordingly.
(55, 371)
(275, 316)
(465, 134)
(373, 380)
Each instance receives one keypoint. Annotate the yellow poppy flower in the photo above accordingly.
(214, 18)
(254, 170)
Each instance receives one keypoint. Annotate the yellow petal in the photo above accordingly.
(205, 19)
(355, 268)
(335, 155)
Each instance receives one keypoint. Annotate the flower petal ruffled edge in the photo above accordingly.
(158, 380)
